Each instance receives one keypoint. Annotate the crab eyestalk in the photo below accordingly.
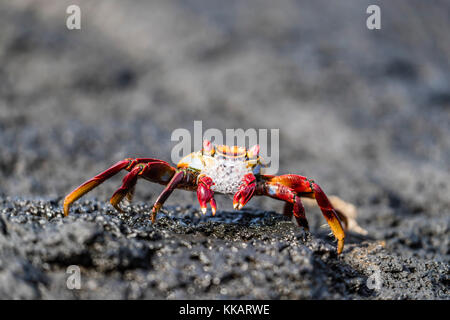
(205, 194)
(253, 152)
(208, 148)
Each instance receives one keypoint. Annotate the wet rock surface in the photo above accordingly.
(364, 113)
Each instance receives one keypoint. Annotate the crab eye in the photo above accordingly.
(253, 151)
(208, 147)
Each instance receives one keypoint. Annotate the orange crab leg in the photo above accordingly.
(302, 186)
(330, 215)
(92, 183)
(127, 164)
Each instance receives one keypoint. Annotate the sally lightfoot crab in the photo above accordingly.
(226, 170)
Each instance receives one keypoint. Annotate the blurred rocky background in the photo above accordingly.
(366, 113)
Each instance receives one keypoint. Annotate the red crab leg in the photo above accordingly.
(156, 171)
(126, 164)
(245, 191)
(298, 211)
(128, 183)
(303, 187)
(293, 206)
(172, 185)
(205, 195)
(92, 183)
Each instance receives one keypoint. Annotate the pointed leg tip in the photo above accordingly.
(213, 206)
(155, 210)
(66, 207)
(119, 209)
(340, 246)
(305, 223)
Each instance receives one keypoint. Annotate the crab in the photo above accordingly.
(226, 170)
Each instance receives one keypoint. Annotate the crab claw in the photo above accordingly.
(205, 194)
(245, 192)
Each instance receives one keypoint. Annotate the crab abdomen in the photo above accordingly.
(226, 174)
